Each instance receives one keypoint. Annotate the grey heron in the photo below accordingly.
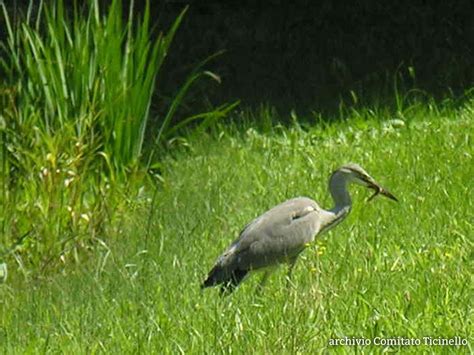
(283, 232)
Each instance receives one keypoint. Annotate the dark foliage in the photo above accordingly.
(311, 54)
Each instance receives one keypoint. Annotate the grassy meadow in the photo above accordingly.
(390, 270)
(111, 215)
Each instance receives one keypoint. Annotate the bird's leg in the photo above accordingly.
(263, 281)
(291, 266)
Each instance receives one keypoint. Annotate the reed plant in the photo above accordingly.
(76, 91)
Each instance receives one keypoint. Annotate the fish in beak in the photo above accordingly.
(380, 190)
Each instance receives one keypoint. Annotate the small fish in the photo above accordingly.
(380, 190)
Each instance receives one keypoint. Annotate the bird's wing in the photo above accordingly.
(277, 235)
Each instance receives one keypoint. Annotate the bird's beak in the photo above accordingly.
(380, 190)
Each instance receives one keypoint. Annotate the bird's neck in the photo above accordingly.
(340, 195)
(338, 189)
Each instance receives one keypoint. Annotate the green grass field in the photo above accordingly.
(389, 270)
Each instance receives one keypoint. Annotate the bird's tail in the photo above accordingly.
(229, 281)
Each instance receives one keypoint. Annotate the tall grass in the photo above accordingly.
(76, 95)
(95, 72)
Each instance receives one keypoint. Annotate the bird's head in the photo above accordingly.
(354, 173)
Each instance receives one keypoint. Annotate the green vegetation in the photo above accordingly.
(389, 270)
(107, 235)
(76, 92)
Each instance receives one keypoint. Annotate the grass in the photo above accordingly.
(102, 259)
(390, 270)
(92, 71)
(75, 93)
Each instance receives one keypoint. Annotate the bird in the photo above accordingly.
(279, 235)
